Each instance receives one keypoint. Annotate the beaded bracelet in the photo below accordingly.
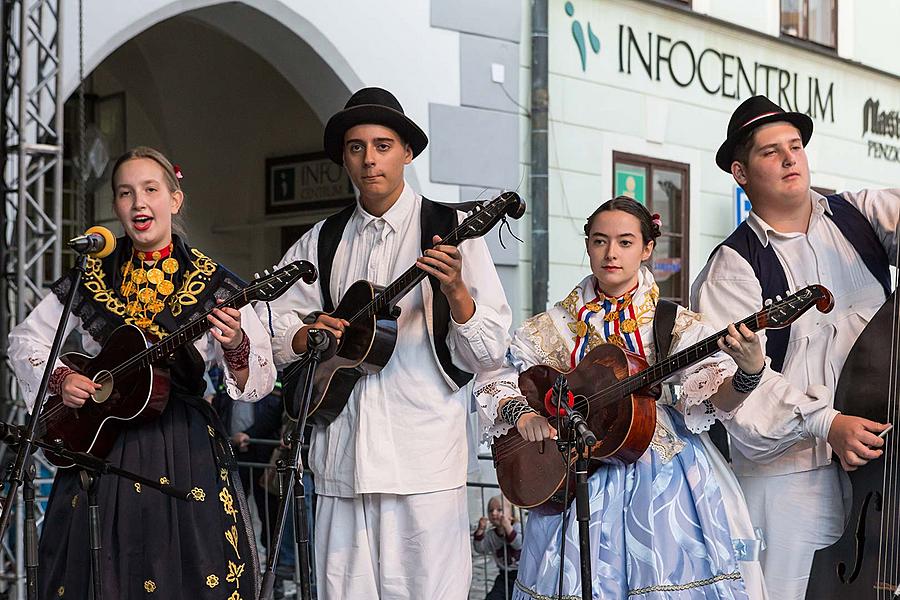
(238, 358)
(54, 386)
(514, 408)
(744, 383)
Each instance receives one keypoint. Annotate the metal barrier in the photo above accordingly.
(484, 567)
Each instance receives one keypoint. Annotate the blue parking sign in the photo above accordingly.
(741, 205)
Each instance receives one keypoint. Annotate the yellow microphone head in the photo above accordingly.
(108, 237)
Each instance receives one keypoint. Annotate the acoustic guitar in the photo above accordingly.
(368, 342)
(134, 379)
(610, 389)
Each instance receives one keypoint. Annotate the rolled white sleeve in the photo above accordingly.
(283, 317)
(30, 342)
(777, 415)
(480, 343)
(491, 387)
(261, 378)
(882, 209)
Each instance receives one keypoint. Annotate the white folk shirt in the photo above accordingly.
(783, 425)
(30, 342)
(403, 430)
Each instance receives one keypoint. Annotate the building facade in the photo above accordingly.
(641, 93)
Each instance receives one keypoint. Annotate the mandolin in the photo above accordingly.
(134, 380)
(368, 342)
(610, 389)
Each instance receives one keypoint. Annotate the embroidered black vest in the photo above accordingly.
(199, 282)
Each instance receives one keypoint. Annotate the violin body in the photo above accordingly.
(532, 474)
(862, 564)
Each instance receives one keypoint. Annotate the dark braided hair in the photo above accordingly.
(649, 230)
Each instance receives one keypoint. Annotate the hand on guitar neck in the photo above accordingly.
(445, 263)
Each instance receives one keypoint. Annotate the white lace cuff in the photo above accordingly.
(694, 401)
(488, 398)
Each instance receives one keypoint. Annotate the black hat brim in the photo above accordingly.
(725, 155)
(370, 114)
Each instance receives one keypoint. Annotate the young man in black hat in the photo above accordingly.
(783, 436)
(390, 471)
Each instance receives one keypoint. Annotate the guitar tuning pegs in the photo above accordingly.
(256, 275)
(768, 302)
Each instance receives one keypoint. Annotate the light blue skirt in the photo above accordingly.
(658, 531)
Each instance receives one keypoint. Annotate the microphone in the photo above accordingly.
(323, 342)
(577, 421)
(561, 390)
(97, 241)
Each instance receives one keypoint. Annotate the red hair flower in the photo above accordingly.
(656, 219)
(178, 174)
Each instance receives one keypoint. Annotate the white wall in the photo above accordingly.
(323, 49)
(598, 110)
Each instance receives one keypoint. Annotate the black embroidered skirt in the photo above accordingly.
(155, 545)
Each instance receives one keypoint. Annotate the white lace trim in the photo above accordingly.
(694, 401)
(488, 398)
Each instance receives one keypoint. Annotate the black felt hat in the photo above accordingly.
(371, 106)
(755, 112)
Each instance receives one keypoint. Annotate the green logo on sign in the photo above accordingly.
(578, 34)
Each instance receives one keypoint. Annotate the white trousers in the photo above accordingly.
(799, 513)
(393, 547)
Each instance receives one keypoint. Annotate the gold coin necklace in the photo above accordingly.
(147, 284)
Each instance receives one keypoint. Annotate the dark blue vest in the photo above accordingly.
(852, 224)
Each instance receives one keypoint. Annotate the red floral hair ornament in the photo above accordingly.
(656, 220)
(178, 173)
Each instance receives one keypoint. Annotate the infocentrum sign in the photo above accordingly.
(722, 74)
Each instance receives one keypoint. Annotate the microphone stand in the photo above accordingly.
(17, 476)
(290, 472)
(92, 468)
(582, 438)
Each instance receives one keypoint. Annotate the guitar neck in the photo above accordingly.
(183, 335)
(401, 286)
(662, 370)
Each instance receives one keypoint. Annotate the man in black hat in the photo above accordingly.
(783, 436)
(390, 470)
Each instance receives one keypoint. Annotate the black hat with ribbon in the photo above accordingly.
(371, 106)
(755, 112)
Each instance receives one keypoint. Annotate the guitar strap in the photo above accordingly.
(436, 219)
(663, 324)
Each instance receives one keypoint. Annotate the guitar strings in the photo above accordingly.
(414, 274)
(180, 332)
(615, 392)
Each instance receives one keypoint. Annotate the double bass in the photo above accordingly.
(864, 564)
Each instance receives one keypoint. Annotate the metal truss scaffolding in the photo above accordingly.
(31, 215)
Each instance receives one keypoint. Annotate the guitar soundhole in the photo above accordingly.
(105, 379)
